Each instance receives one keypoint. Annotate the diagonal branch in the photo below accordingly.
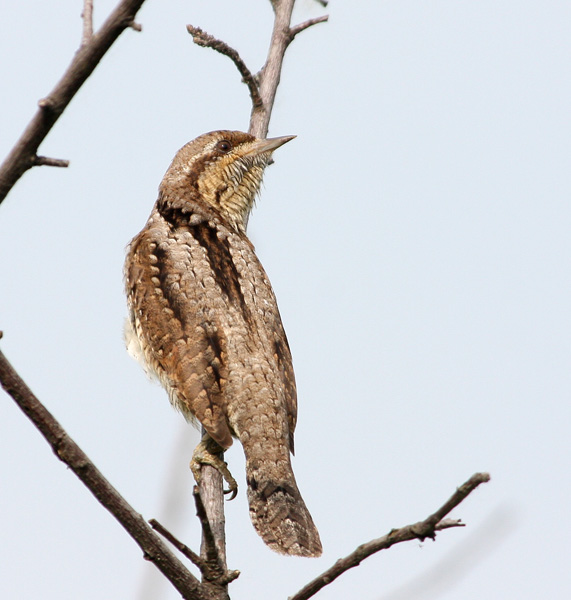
(421, 531)
(183, 548)
(72, 455)
(201, 38)
(457, 497)
(305, 25)
(22, 156)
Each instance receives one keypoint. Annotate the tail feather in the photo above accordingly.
(280, 516)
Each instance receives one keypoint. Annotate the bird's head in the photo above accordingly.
(224, 169)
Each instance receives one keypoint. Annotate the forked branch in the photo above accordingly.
(154, 549)
(72, 455)
(201, 38)
(215, 563)
(180, 546)
(269, 77)
(263, 86)
(418, 531)
(93, 48)
(212, 562)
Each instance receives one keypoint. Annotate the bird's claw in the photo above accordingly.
(208, 452)
(233, 487)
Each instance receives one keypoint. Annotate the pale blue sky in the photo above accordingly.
(417, 237)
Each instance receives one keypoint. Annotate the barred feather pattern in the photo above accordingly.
(204, 319)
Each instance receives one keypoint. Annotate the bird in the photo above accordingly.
(204, 320)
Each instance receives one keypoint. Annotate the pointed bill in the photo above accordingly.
(269, 145)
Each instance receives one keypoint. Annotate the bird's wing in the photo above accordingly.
(176, 322)
(243, 285)
(190, 288)
(271, 323)
(283, 357)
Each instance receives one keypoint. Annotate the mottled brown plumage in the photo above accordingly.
(204, 320)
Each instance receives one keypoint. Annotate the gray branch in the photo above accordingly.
(306, 25)
(264, 85)
(50, 162)
(269, 77)
(87, 16)
(72, 455)
(201, 38)
(418, 531)
(23, 155)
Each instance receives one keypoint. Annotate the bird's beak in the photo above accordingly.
(269, 145)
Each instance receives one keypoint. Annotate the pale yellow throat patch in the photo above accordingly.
(230, 185)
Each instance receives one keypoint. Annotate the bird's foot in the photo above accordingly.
(208, 452)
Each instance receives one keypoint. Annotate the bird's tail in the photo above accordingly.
(277, 509)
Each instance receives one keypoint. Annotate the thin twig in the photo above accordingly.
(192, 556)
(87, 16)
(21, 158)
(458, 496)
(448, 523)
(421, 531)
(323, 3)
(50, 162)
(201, 38)
(302, 26)
(72, 455)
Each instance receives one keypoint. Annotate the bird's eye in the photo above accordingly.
(224, 146)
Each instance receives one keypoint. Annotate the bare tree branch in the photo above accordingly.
(22, 156)
(212, 556)
(51, 162)
(87, 16)
(305, 25)
(201, 38)
(269, 76)
(421, 531)
(71, 454)
(210, 569)
(458, 496)
(215, 563)
(183, 548)
(209, 501)
(264, 85)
